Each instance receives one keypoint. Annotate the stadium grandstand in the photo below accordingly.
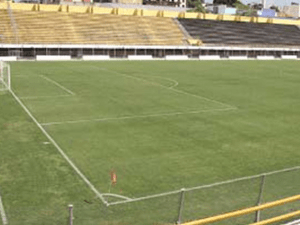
(143, 114)
(168, 32)
(241, 33)
(62, 28)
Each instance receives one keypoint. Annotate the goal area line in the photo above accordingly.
(70, 93)
(136, 116)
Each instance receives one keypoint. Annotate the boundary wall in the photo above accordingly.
(12, 52)
(105, 52)
(144, 12)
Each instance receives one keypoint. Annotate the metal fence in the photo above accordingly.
(174, 207)
(198, 202)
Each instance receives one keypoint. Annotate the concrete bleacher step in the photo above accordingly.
(60, 28)
(228, 32)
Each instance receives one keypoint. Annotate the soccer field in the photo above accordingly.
(160, 125)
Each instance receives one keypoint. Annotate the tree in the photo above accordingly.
(240, 6)
(197, 4)
(275, 8)
(225, 2)
(257, 6)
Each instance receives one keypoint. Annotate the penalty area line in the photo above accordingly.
(2, 212)
(58, 85)
(135, 117)
(91, 186)
(172, 88)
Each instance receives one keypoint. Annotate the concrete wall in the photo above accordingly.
(292, 10)
(154, 13)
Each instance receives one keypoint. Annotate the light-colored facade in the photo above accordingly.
(292, 11)
(221, 9)
(264, 3)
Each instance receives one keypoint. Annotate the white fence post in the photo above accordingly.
(181, 205)
(70, 214)
(257, 215)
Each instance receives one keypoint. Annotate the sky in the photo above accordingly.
(269, 2)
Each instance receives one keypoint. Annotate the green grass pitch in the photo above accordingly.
(161, 126)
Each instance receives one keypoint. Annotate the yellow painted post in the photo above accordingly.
(181, 15)
(115, 11)
(253, 19)
(243, 211)
(220, 17)
(158, 14)
(237, 18)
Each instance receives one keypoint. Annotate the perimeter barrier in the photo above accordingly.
(176, 207)
(189, 204)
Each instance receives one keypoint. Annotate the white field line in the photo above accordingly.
(135, 117)
(172, 89)
(296, 222)
(115, 195)
(58, 85)
(205, 186)
(98, 194)
(2, 212)
(176, 83)
(47, 96)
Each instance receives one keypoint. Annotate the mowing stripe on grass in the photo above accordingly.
(49, 96)
(135, 117)
(2, 212)
(57, 84)
(205, 186)
(98, 194)
(170, 88)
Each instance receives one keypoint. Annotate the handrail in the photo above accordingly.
(278, 218)
(243, 211)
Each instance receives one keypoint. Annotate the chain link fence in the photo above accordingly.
(200, 202)
(175, 207)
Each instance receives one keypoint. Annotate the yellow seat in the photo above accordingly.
(36, 27)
